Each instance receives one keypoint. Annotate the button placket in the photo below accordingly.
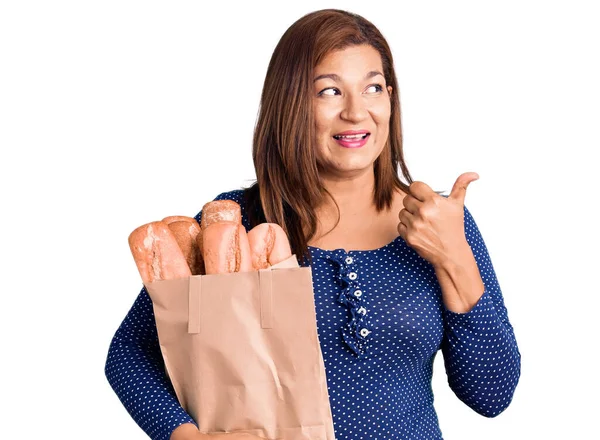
(356, 330)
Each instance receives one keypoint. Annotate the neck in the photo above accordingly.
(353, 195)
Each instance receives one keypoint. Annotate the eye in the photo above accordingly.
(378, 87)
(329, 89)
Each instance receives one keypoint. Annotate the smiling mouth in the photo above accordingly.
(353, 137)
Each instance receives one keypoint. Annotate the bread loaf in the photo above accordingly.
(179, 218)
(269, 245)
(157, 254)
(221, 211)
(200, 247)
(226, 248)
(224, 238)
(185, 233)
(178, 247)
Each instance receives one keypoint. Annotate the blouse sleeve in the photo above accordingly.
(482, 360)
(135, 370)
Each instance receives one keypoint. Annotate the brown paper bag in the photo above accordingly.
(242, 351)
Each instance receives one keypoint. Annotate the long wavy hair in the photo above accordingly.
(288, 187)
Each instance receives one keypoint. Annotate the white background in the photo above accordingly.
(117, 113)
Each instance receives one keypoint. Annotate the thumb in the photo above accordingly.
(459, 190)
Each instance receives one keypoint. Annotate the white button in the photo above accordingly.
(364, 332)
(357, 293)
(349, 260)
(352, 275)
(362, 310)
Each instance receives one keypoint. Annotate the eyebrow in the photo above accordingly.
(336, 78)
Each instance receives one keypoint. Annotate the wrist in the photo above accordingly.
(461, 255)
(460, 281)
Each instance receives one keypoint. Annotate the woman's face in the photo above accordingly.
(350, 95)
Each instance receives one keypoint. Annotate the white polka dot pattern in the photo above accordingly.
(380, 321)
(135, 370)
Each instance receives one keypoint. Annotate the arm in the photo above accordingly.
(480, 351)
(135, 371)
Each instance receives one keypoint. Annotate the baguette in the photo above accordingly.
(185, 233)
(269, 245)
(224, 239)
(179, 218)
(157, 254)
(221, 211)
(226, 248)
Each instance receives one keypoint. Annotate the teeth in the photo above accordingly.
(350, 136)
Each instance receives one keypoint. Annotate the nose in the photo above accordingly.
(354, 109)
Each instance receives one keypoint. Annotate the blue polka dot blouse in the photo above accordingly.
(380, 321)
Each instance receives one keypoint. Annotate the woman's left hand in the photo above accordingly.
(433, 225)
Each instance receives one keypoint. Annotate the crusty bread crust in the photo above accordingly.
(185, 233)
(245, 261)
(261, 239)
(179, 218)
(178, 247)
(156, 253)
(269, 245)
(221, 247)
(221, 211)
(281, 249)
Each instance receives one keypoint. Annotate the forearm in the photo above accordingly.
(146, 395)
(134, 370)
(481, 356)
(460, 280)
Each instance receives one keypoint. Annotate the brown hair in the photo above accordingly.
(288, 187)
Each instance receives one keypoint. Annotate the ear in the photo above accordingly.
(389, 88)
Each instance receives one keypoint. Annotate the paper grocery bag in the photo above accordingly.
(242, 351)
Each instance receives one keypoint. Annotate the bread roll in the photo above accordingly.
(157, 254)
(185, 233)
(221, 211)
(200, 247)
(224, 238)
(269, 245)
(226, 248)
(179, 218)
(245, 253)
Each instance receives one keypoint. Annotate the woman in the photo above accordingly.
(399, 271)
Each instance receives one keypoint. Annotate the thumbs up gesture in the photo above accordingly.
(433, 225)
